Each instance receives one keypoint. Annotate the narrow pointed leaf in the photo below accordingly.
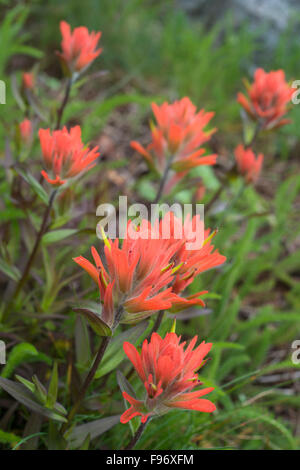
(114, 353)
(53, 387)
(24, 396)
(22, 352)
(93, 429)
(91, 311)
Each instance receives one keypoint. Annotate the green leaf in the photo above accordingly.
(228, 345)
(91, 311)
(24, 396)
(53, 388)
(8, 437)
(125, 385)
(11, 213)
(57, 235)
(20, 353)
(29, 385)
(86, 444)
(39, 391)
(35, 185)
(27, 438)
(115, 353)
(93, 429)
(9, 270)
(82, 343)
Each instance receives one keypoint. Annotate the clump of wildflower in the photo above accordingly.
(65, 155)
(168, 371)
(268, 97)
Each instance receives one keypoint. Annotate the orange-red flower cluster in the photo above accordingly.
(248, 165)
(28, 80)
(169, 374)
(269, 95)
(78, 47)
(149, 271)
(65, 155)
(177, 137)
(26, 130)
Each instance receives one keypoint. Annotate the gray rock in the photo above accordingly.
(273, 15)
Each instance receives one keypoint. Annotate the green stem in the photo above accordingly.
(214, 198)
(32, 256)
(255, 135)
(64, 103)
(137, 436)
(163, 180)
(157, 323)
(232, 202)
(89, 378)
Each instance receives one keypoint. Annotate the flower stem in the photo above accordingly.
(255, 135)
(214, 198)
(32, 256)
(157, 323)
(89, 378)
(232, 202)
(163, 180)
(137, 436)
(64, 103)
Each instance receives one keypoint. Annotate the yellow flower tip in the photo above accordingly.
(174, 270)
(152, 125)
(105, 239)
(173, 327)
(170, 265)
(103, 279)
(212, 235)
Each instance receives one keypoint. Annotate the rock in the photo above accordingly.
(273, 14)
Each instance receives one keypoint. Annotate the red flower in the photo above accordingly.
(178, 135)
(28, 80)
(26, 130)
(148, 272)
(65, 155)
(169, 374)
(135, 276)
(269, 95)
(78, 47)
(248, 165)
(195, 256)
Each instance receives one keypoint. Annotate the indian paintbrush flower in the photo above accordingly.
(28, 80)
(149, 271)
(78, 47)
(25, 128)
(65, 155)
(267, 99)
(177, 138)
(248, 164)
(168, 371)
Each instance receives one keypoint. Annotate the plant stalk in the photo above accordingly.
(157, 323)
(137, 436)
(89, 378)
(163, 180)
(255, 135)
(64, 103)
(32, 256)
